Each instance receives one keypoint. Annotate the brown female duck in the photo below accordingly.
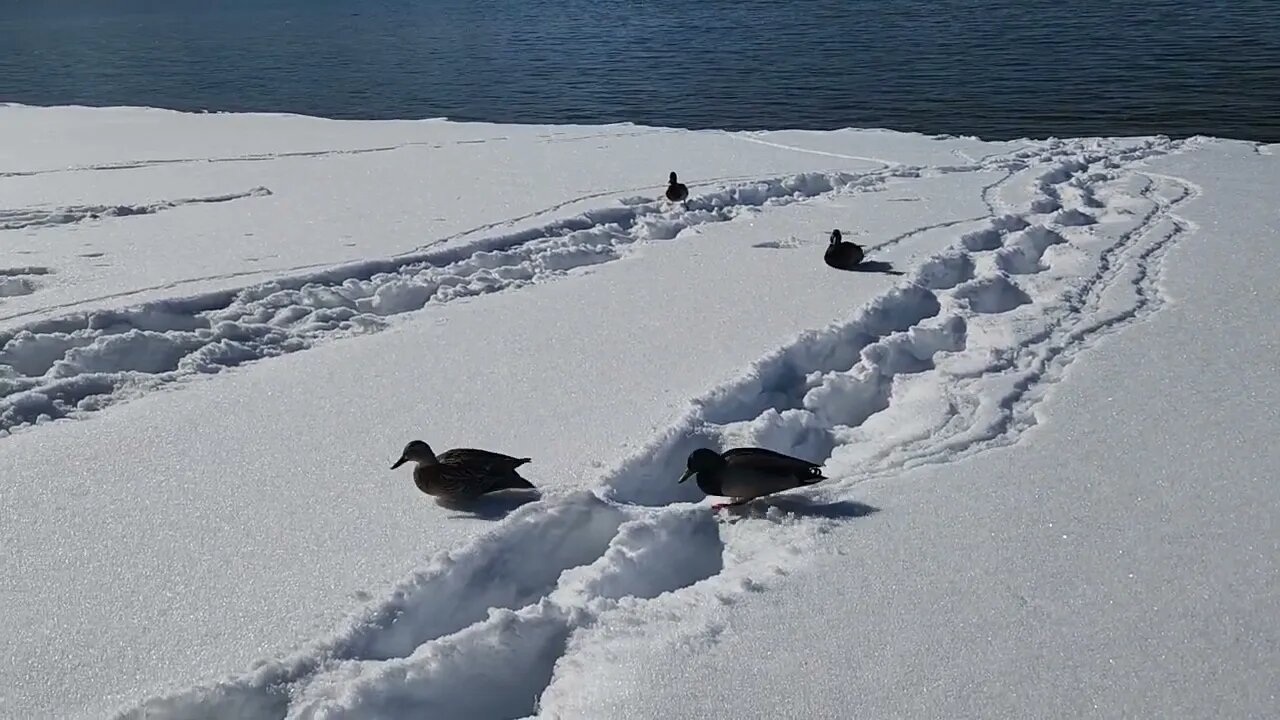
(462, 472)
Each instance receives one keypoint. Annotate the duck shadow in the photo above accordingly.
(873, 266)
(804, 507)
(491, 506)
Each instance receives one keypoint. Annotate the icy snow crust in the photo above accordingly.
(951, 360)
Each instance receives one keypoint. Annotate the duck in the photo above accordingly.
(747, 473)
(462, 472)
(840, 254)
(676, 191)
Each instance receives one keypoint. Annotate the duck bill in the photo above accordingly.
(687, 474)
(400, 462)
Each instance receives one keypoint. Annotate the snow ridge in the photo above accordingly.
(951, 361)
(27, 218)
(18, 281)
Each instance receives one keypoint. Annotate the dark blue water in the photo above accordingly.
(995, 69)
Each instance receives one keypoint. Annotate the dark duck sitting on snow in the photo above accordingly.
(841, 254)
(462, 473)
(744, 474)
(676, 191)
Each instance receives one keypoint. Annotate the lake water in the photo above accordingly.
(995, 69)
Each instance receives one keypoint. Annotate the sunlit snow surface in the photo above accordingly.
(1047, 409)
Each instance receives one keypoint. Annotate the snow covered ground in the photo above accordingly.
(1048, 410)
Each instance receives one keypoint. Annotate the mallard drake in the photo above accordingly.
(840, 254)
(462, 472)
(676, 191)
(745, 474)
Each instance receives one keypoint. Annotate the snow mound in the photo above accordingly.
(15, 286)
(19, 281)
(1023, 251)
(992, 294)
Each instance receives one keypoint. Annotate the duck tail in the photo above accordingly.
(515, 482)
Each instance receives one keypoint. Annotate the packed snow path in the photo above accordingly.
(71, 365)
(951, 361)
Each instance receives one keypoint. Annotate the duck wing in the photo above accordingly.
(747, 482)
(752, 472)
(764, 459)
(481, 459)
(472, 471)
(855, 254)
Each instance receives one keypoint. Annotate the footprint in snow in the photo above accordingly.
(790, 243)
(16, 282)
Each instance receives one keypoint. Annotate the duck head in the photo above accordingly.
(672, 178)
(701, 460)
(416, 451)
(836, 237)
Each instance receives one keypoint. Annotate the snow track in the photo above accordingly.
(27, 218)
(71, 365)
(82, 362)
(554, 137)
(951, 361)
